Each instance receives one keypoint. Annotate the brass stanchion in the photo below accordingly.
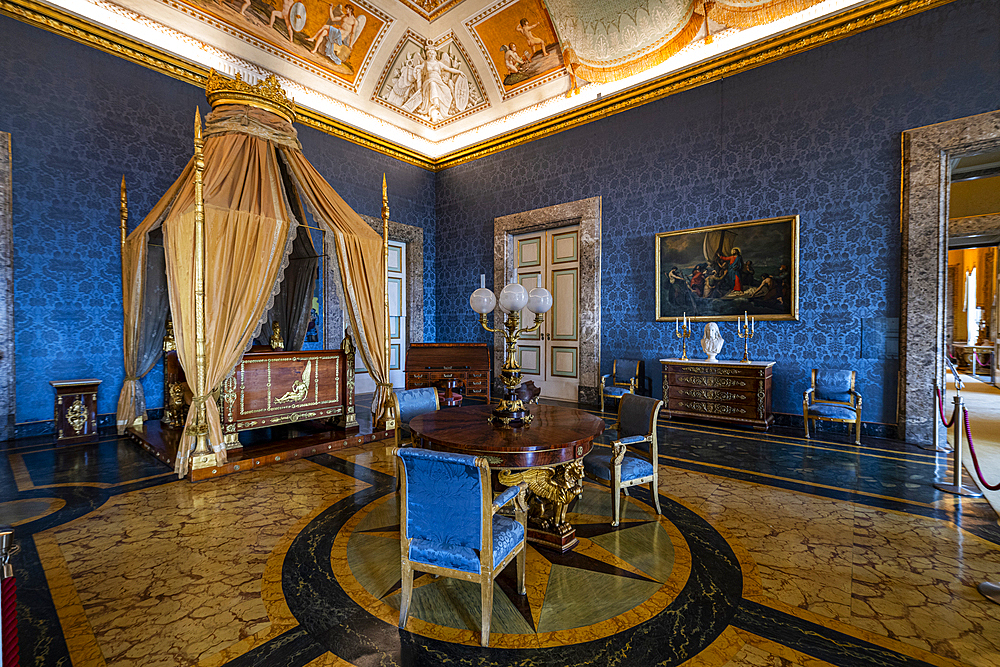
(956, 487)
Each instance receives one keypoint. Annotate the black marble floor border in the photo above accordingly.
(820, 642)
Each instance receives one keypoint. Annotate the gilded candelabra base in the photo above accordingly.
(684, 333)
(550, 492)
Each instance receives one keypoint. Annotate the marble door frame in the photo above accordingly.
(413, 237)
(587, 214)
(927, 154)
(7, 397)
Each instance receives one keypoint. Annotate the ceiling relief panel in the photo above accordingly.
(520, 43)
(433, 83)
(614, 39)
(335, 40)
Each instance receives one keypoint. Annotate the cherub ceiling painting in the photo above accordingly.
(521, 44)
(431, 82)
(336, 38)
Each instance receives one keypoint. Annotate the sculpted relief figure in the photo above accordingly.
(440, 89)
(712, 341)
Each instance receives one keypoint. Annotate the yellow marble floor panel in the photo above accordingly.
(172, 574)
(915, 579)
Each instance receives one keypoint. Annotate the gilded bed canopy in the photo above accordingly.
(215, 250)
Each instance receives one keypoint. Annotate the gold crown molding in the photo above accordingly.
(85, 32)
(830, 29)
(770, 50)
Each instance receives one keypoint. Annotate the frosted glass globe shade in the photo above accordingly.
(513, 297)
(539, 300)
(483, 301)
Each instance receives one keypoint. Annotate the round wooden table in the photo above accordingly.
(547, 455)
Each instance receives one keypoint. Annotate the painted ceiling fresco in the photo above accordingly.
(438, 71)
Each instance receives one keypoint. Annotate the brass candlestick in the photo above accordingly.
(745, 330)
(683, 332)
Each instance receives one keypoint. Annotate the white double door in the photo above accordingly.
(551, 356)
(398, 338)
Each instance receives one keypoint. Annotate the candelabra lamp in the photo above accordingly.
(513, 298)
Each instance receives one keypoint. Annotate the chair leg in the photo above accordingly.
(656, 495)
(406, 592)
(857, 431)
(616, 496)
(602, 401)
(486, 588)
(521, 559)
(805, 422)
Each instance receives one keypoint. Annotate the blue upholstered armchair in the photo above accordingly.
(832, 398)
(449, 525)
(624, 380)
(633, 457)
(410, 403)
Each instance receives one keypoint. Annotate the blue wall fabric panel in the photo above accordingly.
(79, 119)
(816, 134)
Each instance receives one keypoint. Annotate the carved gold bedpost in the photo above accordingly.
(203, 455)
(387, 421)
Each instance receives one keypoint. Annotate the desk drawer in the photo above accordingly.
(681, 405)
(730, 382)
(708, 394)
(446, 375)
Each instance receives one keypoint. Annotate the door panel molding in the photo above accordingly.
(587, 214)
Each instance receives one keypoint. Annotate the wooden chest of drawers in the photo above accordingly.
(727, 391)
(432, 364)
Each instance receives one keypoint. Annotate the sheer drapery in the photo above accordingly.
(359, 254)
(144, 293)
(251, 218)
(291, 305)
(246, 229)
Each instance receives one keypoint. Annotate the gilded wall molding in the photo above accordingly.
(801, 39)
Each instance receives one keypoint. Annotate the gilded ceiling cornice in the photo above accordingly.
(772, 49)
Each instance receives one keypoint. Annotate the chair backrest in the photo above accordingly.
(623, 371)
(413, 402)
(833, 385)
(443, 496)
(637, 415)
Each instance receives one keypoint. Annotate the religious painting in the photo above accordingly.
(724, 271)
(520, 43)
(336, 38)
(433, 83)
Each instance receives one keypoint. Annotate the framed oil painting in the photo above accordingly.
(720, 272)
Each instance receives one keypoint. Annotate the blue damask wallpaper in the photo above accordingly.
(79, 119)
(816, 134)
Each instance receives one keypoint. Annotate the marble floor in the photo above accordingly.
(771, 550)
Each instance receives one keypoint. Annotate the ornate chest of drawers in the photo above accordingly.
(438, 364)
(727, 391)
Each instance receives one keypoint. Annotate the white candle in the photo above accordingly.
(482, 281)
(746, 320)
(751, 325)
(677, 325)
(685, 321)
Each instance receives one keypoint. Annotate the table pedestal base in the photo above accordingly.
(550, 491)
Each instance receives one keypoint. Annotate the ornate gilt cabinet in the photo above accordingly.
(727, 391)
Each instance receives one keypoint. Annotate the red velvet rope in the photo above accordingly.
(940, 398)
(972, 449)
(8, 622)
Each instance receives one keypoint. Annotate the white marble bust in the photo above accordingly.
(712, 341)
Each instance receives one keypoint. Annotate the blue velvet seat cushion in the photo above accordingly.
(831, 411)
(632, 439)
(507, 535)
(598, 464)
(616, 391)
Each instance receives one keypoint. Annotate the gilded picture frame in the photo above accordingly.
(720, 272)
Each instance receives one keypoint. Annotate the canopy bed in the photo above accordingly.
(219, 251)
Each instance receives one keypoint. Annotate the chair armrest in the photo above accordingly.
(857, 399)
(633, 439)
(505, 497)
(807, 393)
(604, 379)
